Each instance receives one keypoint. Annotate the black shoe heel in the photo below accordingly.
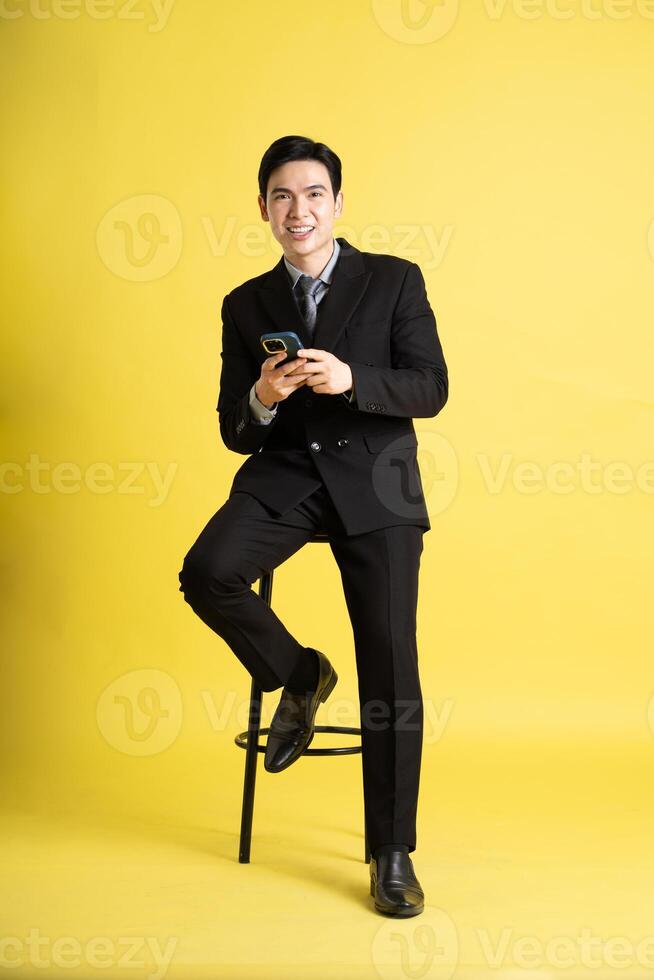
(372, 887)
(330, 687)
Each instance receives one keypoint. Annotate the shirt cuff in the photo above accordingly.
(259, 412)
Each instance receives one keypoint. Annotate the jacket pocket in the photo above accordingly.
(379, 442)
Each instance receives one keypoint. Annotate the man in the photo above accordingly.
(331, 446)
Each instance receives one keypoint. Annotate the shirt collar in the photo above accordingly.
(326, 274)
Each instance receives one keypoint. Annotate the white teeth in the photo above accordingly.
(302, 228)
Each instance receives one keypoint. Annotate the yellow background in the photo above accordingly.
(522, 143)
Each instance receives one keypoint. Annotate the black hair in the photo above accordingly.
(288, 148)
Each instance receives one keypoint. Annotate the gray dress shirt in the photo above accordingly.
(259, 412)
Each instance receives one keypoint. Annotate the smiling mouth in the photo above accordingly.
(300, 229)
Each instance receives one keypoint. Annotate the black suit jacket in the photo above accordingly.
(377, 318)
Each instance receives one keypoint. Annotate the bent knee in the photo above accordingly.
(201, 574)
(194, 574)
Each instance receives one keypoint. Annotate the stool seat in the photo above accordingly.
(249, 740)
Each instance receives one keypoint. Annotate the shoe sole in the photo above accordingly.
(331, 684)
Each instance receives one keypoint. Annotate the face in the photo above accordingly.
(301, 208)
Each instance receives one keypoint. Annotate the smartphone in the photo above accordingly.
(285, 340)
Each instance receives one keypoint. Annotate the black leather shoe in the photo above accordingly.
(394, 886)
(291, 728)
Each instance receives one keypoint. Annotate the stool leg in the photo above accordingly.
(251, 754)
(252, 749)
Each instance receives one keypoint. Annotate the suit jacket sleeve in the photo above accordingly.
(239, 429)
(417, 384)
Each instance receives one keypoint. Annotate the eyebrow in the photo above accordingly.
(309, 188)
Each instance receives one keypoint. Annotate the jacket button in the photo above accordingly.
(308, 402)
(342, 442)
(316, 447)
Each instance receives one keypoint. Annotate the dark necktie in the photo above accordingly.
(307, 288)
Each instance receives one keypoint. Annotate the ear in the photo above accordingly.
(262, 208)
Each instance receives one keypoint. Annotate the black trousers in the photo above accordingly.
(379, 572)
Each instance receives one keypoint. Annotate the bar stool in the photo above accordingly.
(249, 740)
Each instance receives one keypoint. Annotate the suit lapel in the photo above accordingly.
(347, 287)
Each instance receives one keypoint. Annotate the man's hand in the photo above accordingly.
(325, 373)
(276, 383)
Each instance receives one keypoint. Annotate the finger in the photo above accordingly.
(312, 352)
(298, 369)
(281, 369)
(313, 366)
(274, 359)
(289, 389)
(286, 370)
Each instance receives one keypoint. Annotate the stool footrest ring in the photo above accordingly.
(242, 740)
